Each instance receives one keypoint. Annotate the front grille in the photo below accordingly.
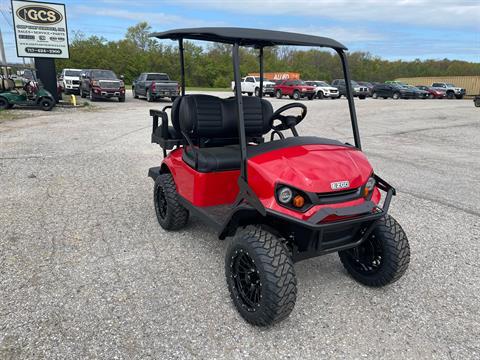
(333, 91)
(75, 82)
(339, 196)
(109, 84)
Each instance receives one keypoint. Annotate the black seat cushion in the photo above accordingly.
(213, 159)
(228, 157)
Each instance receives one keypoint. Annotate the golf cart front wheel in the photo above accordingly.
(171, 214)
(382, 258)
(47, 104)
(260, 277)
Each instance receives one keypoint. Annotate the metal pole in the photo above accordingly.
(182, 65)
(351, 104)
(261, 71)
(241, 121)
(3, 58)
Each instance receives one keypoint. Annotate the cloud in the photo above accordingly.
(156, 19)
(444, 14)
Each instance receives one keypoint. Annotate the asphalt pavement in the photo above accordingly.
(87, 272)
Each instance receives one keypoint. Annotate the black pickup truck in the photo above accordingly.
(154, 86)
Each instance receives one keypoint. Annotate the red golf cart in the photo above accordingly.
(279, 201)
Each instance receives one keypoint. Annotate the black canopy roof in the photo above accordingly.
(249, 37)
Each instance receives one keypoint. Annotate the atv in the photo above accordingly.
(278, 201)
(31, 94)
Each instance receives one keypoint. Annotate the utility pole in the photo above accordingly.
(3, 59)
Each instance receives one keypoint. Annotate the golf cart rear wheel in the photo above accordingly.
(4, 104)
(260, 277)
(171, 214)
(381, 259)
(47, 104)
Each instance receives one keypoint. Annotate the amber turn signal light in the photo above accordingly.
(298, 201)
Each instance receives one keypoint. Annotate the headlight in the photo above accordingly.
(68, 81)
(95, 83)
(369, 186)
(122, 84)
(285, 195)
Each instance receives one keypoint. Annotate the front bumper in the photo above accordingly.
(316, 236)
(108, 93)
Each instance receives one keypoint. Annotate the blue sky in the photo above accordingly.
(391, 29)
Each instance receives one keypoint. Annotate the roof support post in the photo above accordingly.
(351, 104)
(241, 121)
(182, 65)
(260, 58)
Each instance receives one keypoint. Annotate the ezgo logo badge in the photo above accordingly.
(37, 14)
(340, 185)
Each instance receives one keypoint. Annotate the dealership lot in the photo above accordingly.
(86, 271)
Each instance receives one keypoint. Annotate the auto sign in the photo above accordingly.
(39, 15)
(40, 29)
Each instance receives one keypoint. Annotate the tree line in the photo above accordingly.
(211, 65)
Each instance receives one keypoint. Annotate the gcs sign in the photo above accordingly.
(39, 15)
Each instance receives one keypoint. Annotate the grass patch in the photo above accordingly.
(6, 115)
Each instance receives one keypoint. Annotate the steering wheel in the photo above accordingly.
(287, 121)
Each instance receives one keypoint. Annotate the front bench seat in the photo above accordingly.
(211, 125)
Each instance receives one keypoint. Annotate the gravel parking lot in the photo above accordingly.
(87, 272)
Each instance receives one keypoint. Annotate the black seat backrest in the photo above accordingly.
(212, 121)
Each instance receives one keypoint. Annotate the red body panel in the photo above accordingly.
(309, 168)
(202, 189)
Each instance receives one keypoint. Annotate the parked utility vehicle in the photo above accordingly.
(295, 89)
(280, 201)
(251, 85)
(31, 94)
(323, 90)
(451, 90)
(70, 81)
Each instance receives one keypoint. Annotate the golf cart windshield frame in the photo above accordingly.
(258, 39)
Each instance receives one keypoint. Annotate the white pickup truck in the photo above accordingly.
(251, 85)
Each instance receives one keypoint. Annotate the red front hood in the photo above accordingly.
(309, 167)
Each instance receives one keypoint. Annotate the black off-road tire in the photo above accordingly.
(320, 94)
(477, 102)
(271, 269)
(450, 95)
(296, 95)
(171, 214)
(396, 96)
(392, 254)
(257, 92)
